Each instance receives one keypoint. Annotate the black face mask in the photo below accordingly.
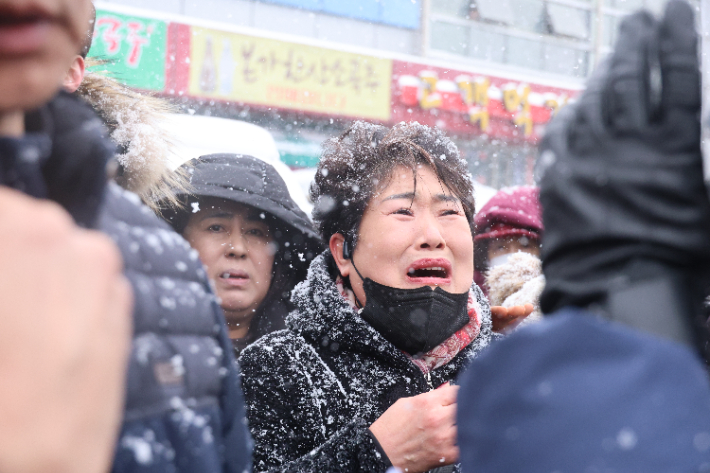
(414, 320)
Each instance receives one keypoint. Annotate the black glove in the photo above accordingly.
(626, 212)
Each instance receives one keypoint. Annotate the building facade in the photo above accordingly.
(489, 72)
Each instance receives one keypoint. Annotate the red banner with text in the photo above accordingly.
(470, 103)
(191, 62)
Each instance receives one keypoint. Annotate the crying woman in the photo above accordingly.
(360, 380)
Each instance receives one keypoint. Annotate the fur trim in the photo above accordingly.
(134, 121)
(517, 282)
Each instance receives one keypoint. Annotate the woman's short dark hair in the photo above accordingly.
(360, 162)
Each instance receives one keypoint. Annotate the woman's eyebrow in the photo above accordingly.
(411, 196)
(219, 214)
(446, 198)
(406, 195)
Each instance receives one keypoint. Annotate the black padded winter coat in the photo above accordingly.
(184, 409)
(313, 389)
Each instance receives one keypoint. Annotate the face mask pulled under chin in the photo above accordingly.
(414, 320)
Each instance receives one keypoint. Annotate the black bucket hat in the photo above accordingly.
(250, 181)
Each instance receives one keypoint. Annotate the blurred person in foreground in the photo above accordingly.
(388, 315)
(613, 379)
(182, 398)
(507, 253)
(254, 241)
(65, 322)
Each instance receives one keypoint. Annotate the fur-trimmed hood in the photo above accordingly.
(135, 124)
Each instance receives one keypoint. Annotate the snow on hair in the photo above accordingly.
(360, 162)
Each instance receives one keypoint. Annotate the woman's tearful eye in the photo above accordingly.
(407, 212)
(449, 212)
(257, 232)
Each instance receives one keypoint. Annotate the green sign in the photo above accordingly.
(133, 49)
(299, 153)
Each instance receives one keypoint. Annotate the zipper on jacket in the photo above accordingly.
(427, 376)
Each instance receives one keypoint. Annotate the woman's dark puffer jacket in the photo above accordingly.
(183, 403)
(313, 390)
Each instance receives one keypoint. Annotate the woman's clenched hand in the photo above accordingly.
(419, 433)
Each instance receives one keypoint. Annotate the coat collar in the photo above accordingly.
(324, 317)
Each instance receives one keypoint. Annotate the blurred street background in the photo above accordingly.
(491, 73)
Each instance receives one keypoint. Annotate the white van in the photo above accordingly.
(197, 135)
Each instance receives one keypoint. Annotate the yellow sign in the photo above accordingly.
(278, 74)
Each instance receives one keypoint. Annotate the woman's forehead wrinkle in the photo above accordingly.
(448, 198)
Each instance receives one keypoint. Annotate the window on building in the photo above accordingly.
(624, 4)
(552, 36)
(497, 11)
(487, 45)
(450, 38)
(457, 8)
(568, 21)
(400, 13)
(609, 30)
(523, 52)
(529, 15)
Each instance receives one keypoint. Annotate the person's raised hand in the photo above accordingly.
(418, 433)
(65, 328)
(626, 211)
(507, 318)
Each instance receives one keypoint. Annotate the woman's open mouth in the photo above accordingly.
(234, 278)
(430, 271)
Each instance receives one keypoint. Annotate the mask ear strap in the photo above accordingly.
(352, 260)
(348, 254)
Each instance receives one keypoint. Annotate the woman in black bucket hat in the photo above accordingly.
(255, 242)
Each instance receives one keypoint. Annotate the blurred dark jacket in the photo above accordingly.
(184, 408)
(595, 396)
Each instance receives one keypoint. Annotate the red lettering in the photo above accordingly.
(110, 34)
(136, 43)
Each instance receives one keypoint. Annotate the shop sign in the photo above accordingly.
(239, 68)
(133, 48)
(491, 105)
